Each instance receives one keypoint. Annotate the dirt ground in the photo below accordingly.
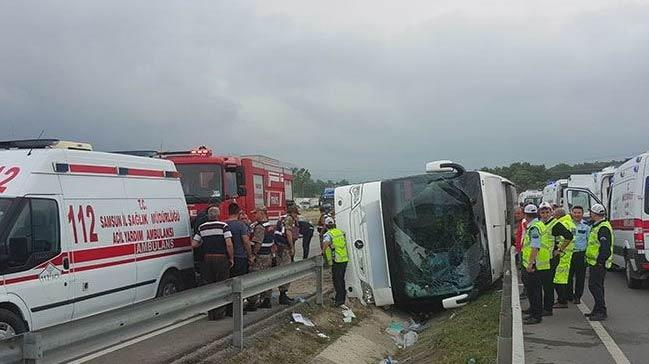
(291, 342)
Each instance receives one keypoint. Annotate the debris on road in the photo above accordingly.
(302, 320)
(389, 360)
(348, 314)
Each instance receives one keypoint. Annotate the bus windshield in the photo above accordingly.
(202, 183)
(5, 206)
(432, 234)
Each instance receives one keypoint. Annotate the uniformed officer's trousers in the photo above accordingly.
(596, 288)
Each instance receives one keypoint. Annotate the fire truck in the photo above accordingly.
(250, 181)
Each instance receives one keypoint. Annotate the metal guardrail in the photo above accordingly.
(78, 338)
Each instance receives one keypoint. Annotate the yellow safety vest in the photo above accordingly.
(338, 247)
(562, 273)
(592, 249)
(543, 256)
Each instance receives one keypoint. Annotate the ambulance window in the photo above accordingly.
(34, 236)
(5, 204)
(579, 198)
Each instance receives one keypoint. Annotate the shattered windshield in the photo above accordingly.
(431, 228)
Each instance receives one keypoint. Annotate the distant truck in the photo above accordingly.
(250, 181)
(433, 238)
(530, 197)
(327, 198)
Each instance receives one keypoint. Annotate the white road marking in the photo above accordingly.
(608, 341)
(518, 350)
(135, 340)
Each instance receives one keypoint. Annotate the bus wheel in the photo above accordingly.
(169, 284)
(10, 324)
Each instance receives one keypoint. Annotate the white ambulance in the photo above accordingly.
(83, 232)
(629, 215)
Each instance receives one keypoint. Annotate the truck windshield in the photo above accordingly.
(202, 183)
(431, 235)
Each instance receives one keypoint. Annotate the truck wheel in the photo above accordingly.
(169, 284)
(10, 324)
(631, 282)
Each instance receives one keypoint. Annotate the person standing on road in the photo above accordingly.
(577, 274)
(335, 252)
(241, 243)
(285, 235)
(535, 258)
(521, 227)
(264, 244)
(554, 234)
(216, 239)
(306, 230)
(599, 256)
(563, 253)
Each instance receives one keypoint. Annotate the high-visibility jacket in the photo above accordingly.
(592, 249)
(338, 250)
(562, 273)
(544, 254)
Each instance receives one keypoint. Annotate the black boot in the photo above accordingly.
(265, 303)
(284, 299)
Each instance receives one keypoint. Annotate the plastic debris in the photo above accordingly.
(389, 360)
(471, 361)
(348, 314)
(404, 333)
(323, 335)
(303, 320)
(410, 339)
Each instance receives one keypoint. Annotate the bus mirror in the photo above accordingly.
(241, 191)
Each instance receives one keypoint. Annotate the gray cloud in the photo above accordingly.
(347, 101)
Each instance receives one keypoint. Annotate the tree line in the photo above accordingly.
(305, 186)
(528, 176)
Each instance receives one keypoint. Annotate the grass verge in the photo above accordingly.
(470, 332)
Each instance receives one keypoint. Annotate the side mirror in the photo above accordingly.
(241, 177)
(241, 191)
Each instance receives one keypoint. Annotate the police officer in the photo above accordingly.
(599, 256)
(577, 274)
(554, 235)
(286, 232)
(216, 239)
(535, 258)
(263, 239)
(335, 252)
(563, 254)
(306, 230)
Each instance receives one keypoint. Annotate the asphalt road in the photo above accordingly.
(568, 337)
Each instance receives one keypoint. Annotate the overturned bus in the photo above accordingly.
(434, 238)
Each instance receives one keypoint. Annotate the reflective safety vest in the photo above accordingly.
(543, 256)
(563, 269)
(592, 249)
(269, 237)
(338, 247)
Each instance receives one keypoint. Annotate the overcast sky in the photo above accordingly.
(353, 89)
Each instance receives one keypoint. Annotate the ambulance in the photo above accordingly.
(82, 232)
(629, 215)
(530, 197)
(430, 239)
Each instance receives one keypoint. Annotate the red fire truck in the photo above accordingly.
(249, 180)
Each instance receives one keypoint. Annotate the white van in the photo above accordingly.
(629, 215)
(83, 232)
(530, 197)
(431, 238)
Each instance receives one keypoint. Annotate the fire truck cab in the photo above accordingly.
(249, 181)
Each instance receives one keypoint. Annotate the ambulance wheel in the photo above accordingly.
(169, 284)
(10, 324)
(631, 282)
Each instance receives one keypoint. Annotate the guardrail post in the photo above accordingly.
(319, 278)
(237, 312)
(32, 349)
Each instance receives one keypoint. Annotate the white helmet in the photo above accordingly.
(545, 205)
(598, 209)
(530, 209)
(329, 220)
